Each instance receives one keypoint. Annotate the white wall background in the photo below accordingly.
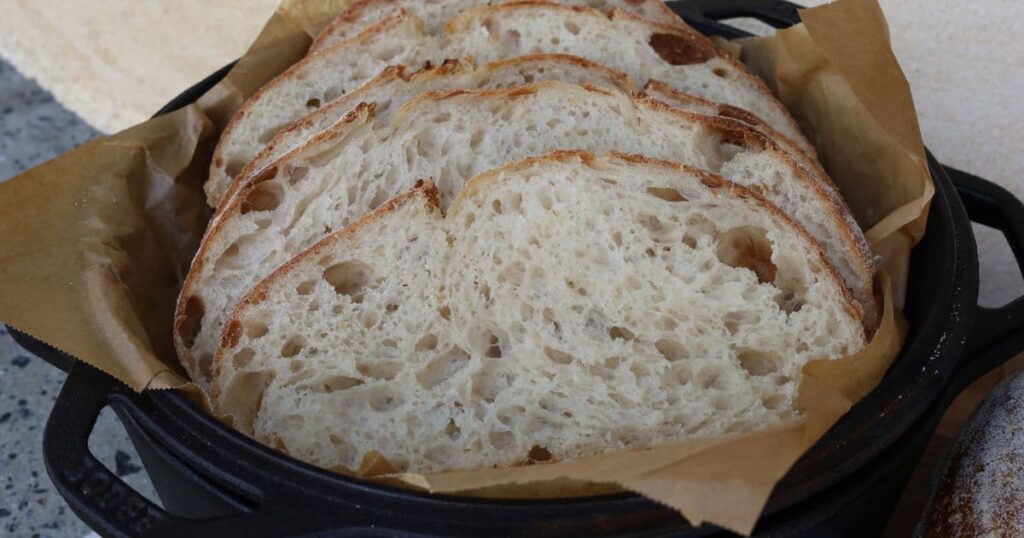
(965, 63)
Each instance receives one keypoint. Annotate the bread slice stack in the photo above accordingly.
(531, 319)
(467, 234)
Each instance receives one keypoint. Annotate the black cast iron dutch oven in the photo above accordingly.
(213, 481)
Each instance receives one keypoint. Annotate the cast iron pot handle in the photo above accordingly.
(706, 13)
(998, 333)
(98, 496)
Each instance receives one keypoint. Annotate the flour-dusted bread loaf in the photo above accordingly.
(566, 306)
(390, 89)
(982, 491)
(450, 137)
(365, 13)
(643, 50)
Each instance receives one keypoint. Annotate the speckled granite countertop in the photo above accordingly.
(33, 129)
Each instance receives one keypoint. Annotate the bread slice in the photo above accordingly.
(641, 49)
(452, 136)
(394, 86)
(365, 13)
(567, 306)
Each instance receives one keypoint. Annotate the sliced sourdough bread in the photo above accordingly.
(641, 49)
(390, 89)
(395, 85)
(566, 306)
(358, 164)
(365, 13)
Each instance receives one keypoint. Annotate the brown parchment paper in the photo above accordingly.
(95, 245)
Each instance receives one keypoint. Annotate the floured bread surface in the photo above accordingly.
(364, 14)
(450, 137)
(355, 166)
(639, 48)
(566, 306)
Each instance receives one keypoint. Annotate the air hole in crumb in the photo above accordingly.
(241, 359)
(672, 350)
(493, 378)
(720, 72)
(502, 440)
(292, 347)
(349, 278)
(380, 369)
(721, 402)
(256, 329)
(774, 402)
(297, 174)
(369, 319)
(305, 288)
(242, 253)
(759, 363)
(557, 356)
(711, 377)
(445, 312)
(234, 166)
(667, 324)
(391, 308)
(265, 196)
(193, 323)
(313, 103)
(667, 194)
(683, 373)
(427, 343)
(476, 138)
(572, 27)
(339, 383)
(639, 370)
(442, 367)
(748, 247)
(243, 397)
(451, 430)
(384, 400)
(538, 454)
(493, 348)
(620, 333)
(496, 206)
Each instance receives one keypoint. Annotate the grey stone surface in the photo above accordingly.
(33, 129)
